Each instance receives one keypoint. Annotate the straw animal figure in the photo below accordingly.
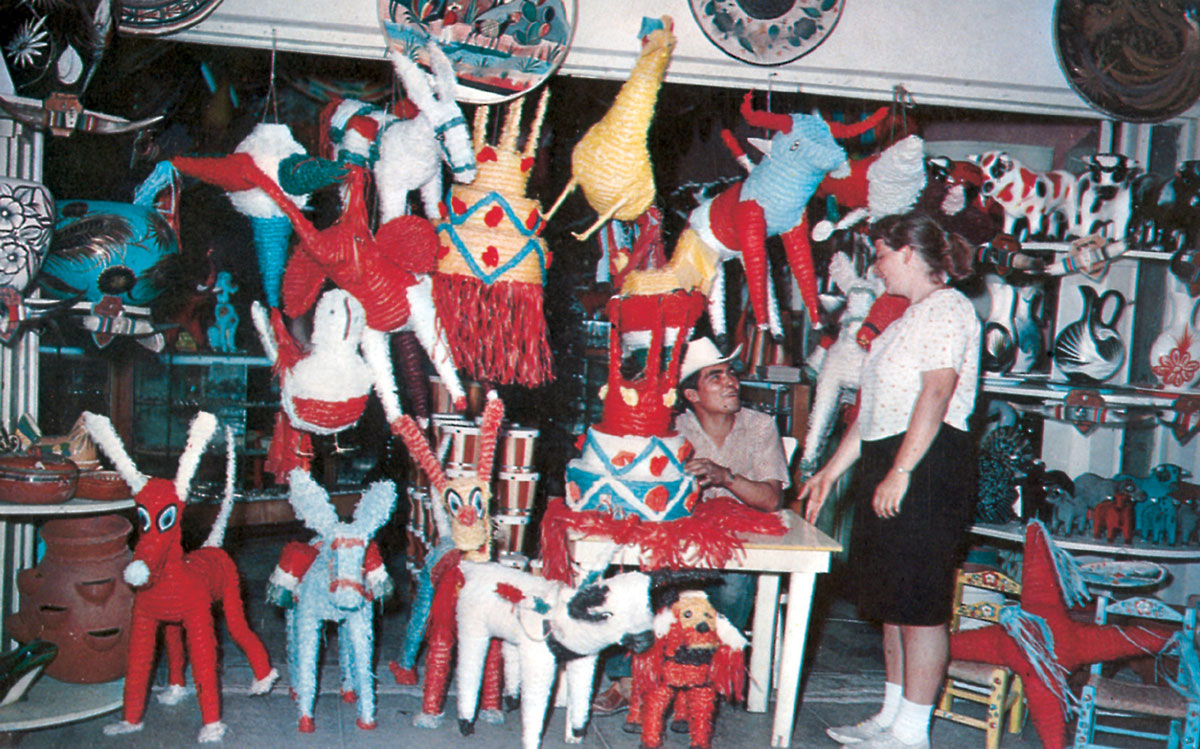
(462, 504)
(769, 202)
(492, 262)
(324, 389)
(697, 655)
(611, 161)
(178, 589)
(407, 154)
(544, 624)
(841, 366)
(345, 576)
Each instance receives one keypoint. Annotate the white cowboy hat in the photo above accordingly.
(701, 353)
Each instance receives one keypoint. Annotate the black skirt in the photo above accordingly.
(902, 568)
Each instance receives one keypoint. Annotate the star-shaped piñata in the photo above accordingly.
(1040, 642)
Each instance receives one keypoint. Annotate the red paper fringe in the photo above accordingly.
(714, 531)
(497, 333)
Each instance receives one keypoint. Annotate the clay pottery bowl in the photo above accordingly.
(102, 485)
(37, 479)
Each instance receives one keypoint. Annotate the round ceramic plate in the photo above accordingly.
(766, 32)
(1116, 574)
(157, 17)
(500, 49)
(1130, 59)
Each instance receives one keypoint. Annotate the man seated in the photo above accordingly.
(738, 453)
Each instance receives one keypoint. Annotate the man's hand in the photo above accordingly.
(708, 473)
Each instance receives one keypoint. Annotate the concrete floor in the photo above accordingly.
(842, 684)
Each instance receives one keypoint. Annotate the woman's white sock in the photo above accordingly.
(892, 693)
(912, 722)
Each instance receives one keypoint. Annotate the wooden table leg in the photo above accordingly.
(795, 632)
(762, 639)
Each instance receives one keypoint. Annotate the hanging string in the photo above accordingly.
(272, 100)
(902, 101)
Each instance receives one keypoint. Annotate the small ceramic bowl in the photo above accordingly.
(37, 480)
(102, 485)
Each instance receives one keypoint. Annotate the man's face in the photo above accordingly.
(717, 390)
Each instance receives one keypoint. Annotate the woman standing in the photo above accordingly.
(915, 485)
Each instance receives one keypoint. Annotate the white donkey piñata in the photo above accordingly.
(841, 366)
(543, 624)
(339, 586)
(407, 155)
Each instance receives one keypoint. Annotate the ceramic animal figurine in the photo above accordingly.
(1156, 519)
(461, 508)
(406, 154)
(1162, 480)
(1166, 214)
(1070, 515)
(1105, 193)
(770, 201)
(1090, 350)
(1113, 516)
(178, 589)
(1040, 199)
(340, 585)
(544, 624)
(1005, 456)
(840, 368)
(1187, 521)
(611, 162)
(223, 331)
(953, 196)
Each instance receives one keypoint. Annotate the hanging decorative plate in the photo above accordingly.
(500, 49)
(766, 32)
(1130, 59)
(158, 17)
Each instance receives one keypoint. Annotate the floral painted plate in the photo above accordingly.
(766, 32)
(500, 49)
(158, 17)
(1122, 574)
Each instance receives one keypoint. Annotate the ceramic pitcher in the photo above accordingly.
(1090, 349)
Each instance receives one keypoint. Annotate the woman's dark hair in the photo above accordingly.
(942, 252)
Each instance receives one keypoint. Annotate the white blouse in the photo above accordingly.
(941, 331)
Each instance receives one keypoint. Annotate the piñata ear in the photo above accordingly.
(493, 415)
(101, 430)
(199, 434)
(418, 447)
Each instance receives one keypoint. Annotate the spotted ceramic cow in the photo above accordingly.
(1105, 196)
(1026, 194)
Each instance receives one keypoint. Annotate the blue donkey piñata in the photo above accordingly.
(335, 578)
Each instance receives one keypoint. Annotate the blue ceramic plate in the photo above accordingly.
(500, 49)
(766, 32)
(157, 17)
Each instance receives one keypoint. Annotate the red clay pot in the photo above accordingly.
(37, 479)
(77, 598)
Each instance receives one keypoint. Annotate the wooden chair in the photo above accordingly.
(1117, 699)
(982, 683)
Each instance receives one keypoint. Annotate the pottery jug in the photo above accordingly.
(77, 598)
(1175, 353)
(1028, 321)
(999, 341)
(1090, 349)
(26, 225)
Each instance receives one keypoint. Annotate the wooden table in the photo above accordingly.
(800, 553)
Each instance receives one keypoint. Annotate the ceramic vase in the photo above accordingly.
(1028, 321)
(77, 598)
(1090, 350)
(999, 341)
(1175, 353)
(26, 223)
